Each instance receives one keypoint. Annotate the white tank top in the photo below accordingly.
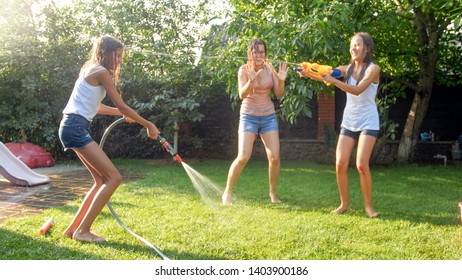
(85, 98)
(361, 110)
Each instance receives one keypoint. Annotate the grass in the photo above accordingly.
(418, 206)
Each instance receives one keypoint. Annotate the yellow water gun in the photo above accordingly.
(319, 70)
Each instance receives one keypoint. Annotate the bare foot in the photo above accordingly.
(226, 199)
(340, 210)
(88, 237)
(371, 212)
(274, 198)
(68, 233)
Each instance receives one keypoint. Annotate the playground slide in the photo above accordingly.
(16, 171)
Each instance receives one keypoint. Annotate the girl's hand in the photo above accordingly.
(282, 73)
(152, 131)
(328, 79)
(251, 74)
(302, 73)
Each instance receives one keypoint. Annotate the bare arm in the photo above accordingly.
(113, 111)
(371, 76)
(108, 110)
(106, 81)
(278, 78)
(245, 77)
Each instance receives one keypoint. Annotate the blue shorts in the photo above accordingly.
(258, 125)
(74, 131)
(355, 134)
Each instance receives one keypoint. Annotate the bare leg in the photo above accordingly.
(245, 146)
(271, 141)
(344, 148)
(98, 161)
(365, 147)
(86, 201)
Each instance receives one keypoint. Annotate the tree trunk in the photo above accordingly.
(410, 136)
(429, 30)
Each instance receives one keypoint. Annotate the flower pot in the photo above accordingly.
(456, 154)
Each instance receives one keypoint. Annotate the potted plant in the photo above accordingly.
(455, 151)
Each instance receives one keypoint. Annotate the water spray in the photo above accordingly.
(169, 148)
(195, 177)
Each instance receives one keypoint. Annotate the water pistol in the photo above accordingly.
(46, 226)
(169, 148)
(319, 70)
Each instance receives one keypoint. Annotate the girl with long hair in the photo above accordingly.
(98, 77)
(256, 79)
(360, 124)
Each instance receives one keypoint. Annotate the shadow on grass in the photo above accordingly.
(423, 196)
(16, 246)
(142, 248)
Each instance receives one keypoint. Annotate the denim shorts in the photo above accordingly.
(355, 134)
(258, 124)
(74, 131)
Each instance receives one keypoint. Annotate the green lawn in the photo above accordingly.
(418, 205)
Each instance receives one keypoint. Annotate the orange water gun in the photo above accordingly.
(319, 70)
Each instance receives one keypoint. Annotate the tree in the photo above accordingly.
(44, 45)
(436, 25)
(27, 101)
(294, 31)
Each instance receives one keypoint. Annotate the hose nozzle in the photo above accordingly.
(169, 148)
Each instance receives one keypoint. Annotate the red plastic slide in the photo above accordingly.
(16, 171)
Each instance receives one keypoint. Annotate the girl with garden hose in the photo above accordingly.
(98, 77)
